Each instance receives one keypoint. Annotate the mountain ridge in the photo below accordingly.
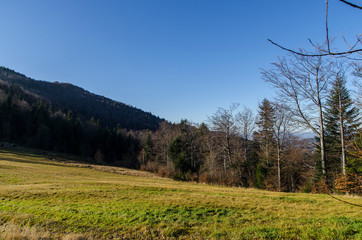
(87, 104)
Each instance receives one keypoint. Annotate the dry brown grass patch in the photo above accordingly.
(13, 232)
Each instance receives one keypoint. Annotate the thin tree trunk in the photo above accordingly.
(322, 147)
(321, 127)
(229, 150)
(279, 178)
(342, 134)
(143, 157)
(167, 160)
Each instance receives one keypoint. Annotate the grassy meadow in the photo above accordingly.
(42, 198)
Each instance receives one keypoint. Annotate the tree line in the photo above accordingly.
(263, 150)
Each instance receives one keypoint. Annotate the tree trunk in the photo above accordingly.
(342, 134)
(321, 137)
(321, 127)
(229, 150)
(225, 165)
(279, 178)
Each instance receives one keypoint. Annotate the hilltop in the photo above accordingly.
(86, 104)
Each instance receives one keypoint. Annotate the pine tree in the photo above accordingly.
(342, 121)
(264, 138)
(265, 135)
(178, 153)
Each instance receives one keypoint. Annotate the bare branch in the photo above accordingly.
(319, 54)
(327, 32)
(318, 48)
(351, 4)
(350, 47)
(328, 52)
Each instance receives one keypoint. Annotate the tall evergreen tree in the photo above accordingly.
(265, 134)
(342, 123)
(264, 138)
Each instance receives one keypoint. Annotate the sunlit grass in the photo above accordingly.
(62, 199)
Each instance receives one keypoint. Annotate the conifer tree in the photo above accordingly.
(342, 122)
(265, 141)
(265, 124)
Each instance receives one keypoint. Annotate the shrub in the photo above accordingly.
(307, 188)
(165, 171)
(193, 177)
(151, 167)
(321, 187)
(349, 184)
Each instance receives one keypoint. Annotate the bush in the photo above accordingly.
(150, 167)
(349, 184)
(165, 171)
(203, 178)
(192, 177)
(208, 178)
(321, 187)
(307, 188)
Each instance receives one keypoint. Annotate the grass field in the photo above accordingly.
(48, 199)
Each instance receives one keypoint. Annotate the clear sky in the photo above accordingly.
(174, 58)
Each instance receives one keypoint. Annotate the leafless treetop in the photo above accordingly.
(353, 52)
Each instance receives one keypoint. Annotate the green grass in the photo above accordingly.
(57, 199)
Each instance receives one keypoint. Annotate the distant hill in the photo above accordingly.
(86, 104)
(306, 135)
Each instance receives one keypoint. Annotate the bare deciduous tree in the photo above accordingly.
(189, 132)
(246, 120)
(163, 139)
(225, 122)
(281, 133)
(302, 84)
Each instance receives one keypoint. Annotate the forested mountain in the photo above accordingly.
(84, 103)
(30, 120)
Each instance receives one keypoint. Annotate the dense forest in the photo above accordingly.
(235, 147)
(85, 104)
(30, 120)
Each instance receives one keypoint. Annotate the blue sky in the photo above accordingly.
(176, 59)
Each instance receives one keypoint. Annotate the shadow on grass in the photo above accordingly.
(35, 158)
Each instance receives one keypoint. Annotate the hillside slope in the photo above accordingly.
(85, 103)
(56, 199)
